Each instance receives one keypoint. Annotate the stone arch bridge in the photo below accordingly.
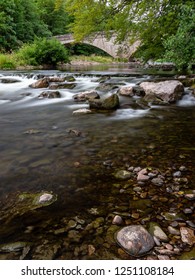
(109, 45)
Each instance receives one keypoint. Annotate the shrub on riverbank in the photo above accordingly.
(43, 52)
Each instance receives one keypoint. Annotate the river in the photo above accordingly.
(39, 151)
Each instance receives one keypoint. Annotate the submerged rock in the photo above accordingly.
(122, 174)
(24, 203)
(13, 247)
(135, 240)
(9, 80)
(50, 94)
(82, 112)
(64, 85)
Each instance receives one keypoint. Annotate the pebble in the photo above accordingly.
(136, 169)
(117, 220)
(187, 235)
(177, 174)
(190, 196)
(187, 211)
(156, 231)
(142, 175)
(157, 182)
(182, 168)
(169, 247)
(123, 174)
(137, 189)
(91, 249)
(72, 224)
(174, 224)
(45, 197)
(190, 223)
(163, 257)
(173, 231)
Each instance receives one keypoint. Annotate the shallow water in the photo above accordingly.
(39, 152)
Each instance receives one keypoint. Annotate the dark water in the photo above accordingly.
(38, 151)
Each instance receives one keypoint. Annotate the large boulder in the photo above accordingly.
(109, 103)
(41, 83)
(135, 240)
(166, 91)
(86, 95)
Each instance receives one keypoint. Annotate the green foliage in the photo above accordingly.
(43, 52)
(7, 62)
(53, 14)
(21, 21)
(28, 23)
(180, 47)
(153, 22)
(7, 32)
(84, 49)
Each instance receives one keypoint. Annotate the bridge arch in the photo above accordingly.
(99, 40)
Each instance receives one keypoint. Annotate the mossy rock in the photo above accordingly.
(22, 203)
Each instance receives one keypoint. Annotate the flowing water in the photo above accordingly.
(40, 151)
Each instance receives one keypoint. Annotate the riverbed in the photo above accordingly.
(44, 147)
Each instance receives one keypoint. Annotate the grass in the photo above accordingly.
(15, 60)
(93, 58)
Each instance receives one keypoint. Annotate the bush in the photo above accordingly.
(44, 52)
(7, 62)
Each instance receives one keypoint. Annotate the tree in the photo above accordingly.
(151, 21)
(28, 23)
(7, 25)
(180, 47)
(19, 22)
(53, 14)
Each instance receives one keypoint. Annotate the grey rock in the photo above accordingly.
(155, 230)
(65, 85)
(42, 83)
(157, 182)
(50, 94)
(109, 103)
(173, 230)
(166, 91)
(135, 240)
(86, 95)
(177, 174)
(142, 175)
(187, 235)
(117, 220)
